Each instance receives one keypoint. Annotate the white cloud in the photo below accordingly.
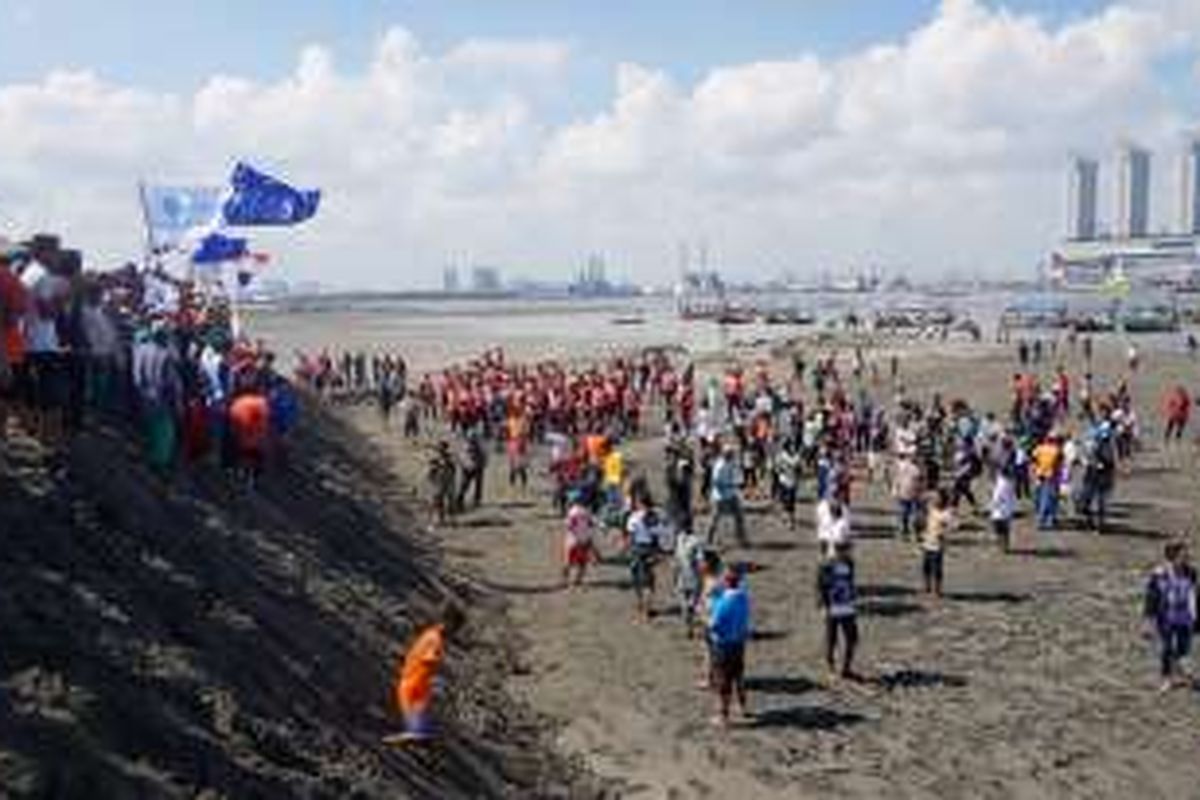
(943, 149)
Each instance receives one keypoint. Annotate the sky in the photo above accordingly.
(805, 137)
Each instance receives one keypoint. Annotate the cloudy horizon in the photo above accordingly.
(936, 145)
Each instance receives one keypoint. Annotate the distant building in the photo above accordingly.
(1082, 199)
(450, 283)
(485, 279)
(592, 281)
(1190, 185)
(1133, 192)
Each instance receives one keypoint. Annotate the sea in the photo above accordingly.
(432, 333)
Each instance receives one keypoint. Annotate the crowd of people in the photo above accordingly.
(823, 431)
(133, 347)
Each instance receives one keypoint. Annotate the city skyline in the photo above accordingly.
(792, 138)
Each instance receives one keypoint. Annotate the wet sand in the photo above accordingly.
(1031, 678)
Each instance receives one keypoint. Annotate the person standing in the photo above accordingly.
(1047, 462)
(579, 548)
(907, 488)
(644, 533)
(938, 523)
(442, 474)
(1177, 407)
(726, 496)
(787, 476)
(472, 472)
(1170, 607)
(728, 632)
(1003, 506)
(837, 595)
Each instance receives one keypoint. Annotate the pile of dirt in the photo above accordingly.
(193, 637)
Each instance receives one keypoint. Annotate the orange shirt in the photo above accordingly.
(249, 415)
(14, 300)
(414, 687)
(1045, 460)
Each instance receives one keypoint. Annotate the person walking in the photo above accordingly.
(836, 595)
(1170, 608)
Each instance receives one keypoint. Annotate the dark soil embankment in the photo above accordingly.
(194, 638)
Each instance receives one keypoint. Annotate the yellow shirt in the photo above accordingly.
(614, 468)
(937, 524)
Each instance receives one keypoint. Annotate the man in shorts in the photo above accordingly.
(728, 632)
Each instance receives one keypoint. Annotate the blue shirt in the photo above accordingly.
(730, 621)
(724, 480)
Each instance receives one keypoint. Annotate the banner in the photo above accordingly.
(216, 248)
(173, 212)
(260, 200)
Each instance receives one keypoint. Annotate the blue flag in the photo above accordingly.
(259, 199)
(216, 248)
(173, 211)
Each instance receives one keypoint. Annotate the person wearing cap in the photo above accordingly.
(726, 496)
(728, 632)
(837, 595)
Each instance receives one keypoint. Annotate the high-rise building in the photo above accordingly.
(1133, 192)
(450, 282)
(1082, 198)
(1190, 185)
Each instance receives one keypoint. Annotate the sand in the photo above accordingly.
(1030, 679)
(194, 639)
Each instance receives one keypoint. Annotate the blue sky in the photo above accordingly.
(943, 153)
(176, 47)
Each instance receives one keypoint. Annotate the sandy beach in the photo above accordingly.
(1031, 678)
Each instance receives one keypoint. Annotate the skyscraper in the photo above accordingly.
(1190, 185)
(1082, 198)
(1133, 192)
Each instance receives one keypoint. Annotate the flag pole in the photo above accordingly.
(146, 223)
(235, 302)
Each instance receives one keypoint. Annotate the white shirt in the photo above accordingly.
(831, 531)
(1004, 499)
(640, 533)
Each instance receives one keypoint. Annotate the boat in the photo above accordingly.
(629, 320)
(1035, 311)
(912, 316)
(788, 316)
(735, 316)
(1149, 319)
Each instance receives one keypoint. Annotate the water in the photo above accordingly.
(433, 333)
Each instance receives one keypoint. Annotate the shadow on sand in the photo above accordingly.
(885, 590)
(812, 718)
(896, 608)
(776, 684)
(1008, 598)
(1036, 552)
(916, 679)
